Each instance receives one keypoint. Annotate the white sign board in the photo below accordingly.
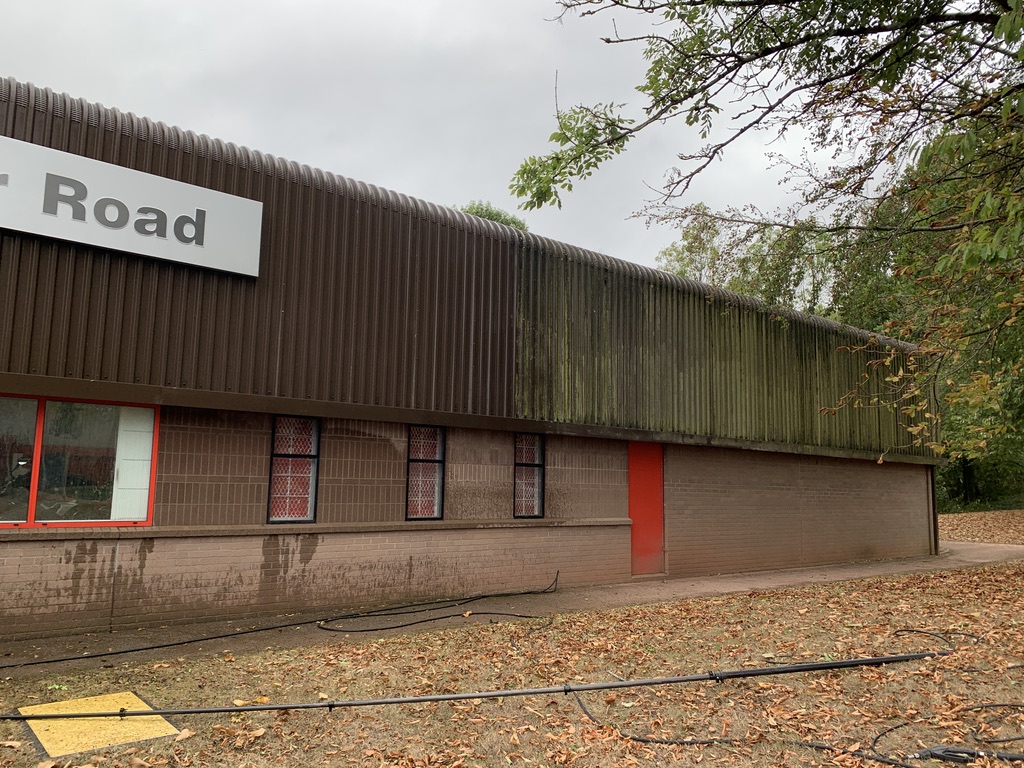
(57, 194)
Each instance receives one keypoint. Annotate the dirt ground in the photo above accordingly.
(969, 611)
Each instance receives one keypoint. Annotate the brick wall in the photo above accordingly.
(587, 478)
(212, 473)
(730, 510)
(213, 468)
(362, 472)
(54, 587)
(478, 476)
(725, 510)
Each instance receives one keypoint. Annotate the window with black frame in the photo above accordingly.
(294, 469)
(528, 493)
(425, 489)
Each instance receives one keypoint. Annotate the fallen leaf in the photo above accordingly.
(184, 734)
(161, 666)
(240, 702)
(11, 744)
(261, 700)
(138, 763)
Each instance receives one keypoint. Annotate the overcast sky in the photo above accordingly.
(437, 99)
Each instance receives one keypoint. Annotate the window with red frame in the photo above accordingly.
(424, 498)
(69, 463)
(528, 488)
(294, 465)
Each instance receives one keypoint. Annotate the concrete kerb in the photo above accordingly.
(952, 555)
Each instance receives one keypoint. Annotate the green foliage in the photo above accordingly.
(787, 267)
(586, 137)
(874, 83)
(700, 253)
(485, 210)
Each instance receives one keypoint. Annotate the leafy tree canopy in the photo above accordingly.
(914, 225)
(872, 82)
(487, 211)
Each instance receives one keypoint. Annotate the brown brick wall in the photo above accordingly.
(51, 587)
(725, 510)
(478, 475)
(587, 478)
(63, 586)
(730, 510)
(212, 468)
(362, 472)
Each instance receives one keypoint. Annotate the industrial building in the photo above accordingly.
(234, 385)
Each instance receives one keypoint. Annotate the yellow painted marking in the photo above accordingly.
(69, 737)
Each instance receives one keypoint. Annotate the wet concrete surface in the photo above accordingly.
(68, 652)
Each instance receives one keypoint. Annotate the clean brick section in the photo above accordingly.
(729, 510)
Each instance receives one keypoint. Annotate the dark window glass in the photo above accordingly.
(95, 462)
(76, 477)
(17, 443)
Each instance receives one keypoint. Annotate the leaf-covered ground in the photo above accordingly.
(1000, 527)
(762, 721)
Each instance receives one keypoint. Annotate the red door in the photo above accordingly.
(647, 507)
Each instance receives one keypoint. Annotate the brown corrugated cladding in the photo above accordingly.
(610, 343)
(365, 297)
(372, 305)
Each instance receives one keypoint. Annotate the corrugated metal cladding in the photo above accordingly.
(600, 341)
(364, 296)
(370, 299)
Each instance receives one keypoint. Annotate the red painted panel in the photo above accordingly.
(647, 506)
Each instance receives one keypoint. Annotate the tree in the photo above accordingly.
(914, 228)
(784, 268)
(872, 82)
(485, 210)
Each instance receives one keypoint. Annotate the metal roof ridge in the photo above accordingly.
(116, 120)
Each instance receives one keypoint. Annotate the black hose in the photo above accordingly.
(155, 647)
(434, 618)
(431, 605)
(822, 747)
(655, 739)
(565, 688)
(408, 608)
(993, 705)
